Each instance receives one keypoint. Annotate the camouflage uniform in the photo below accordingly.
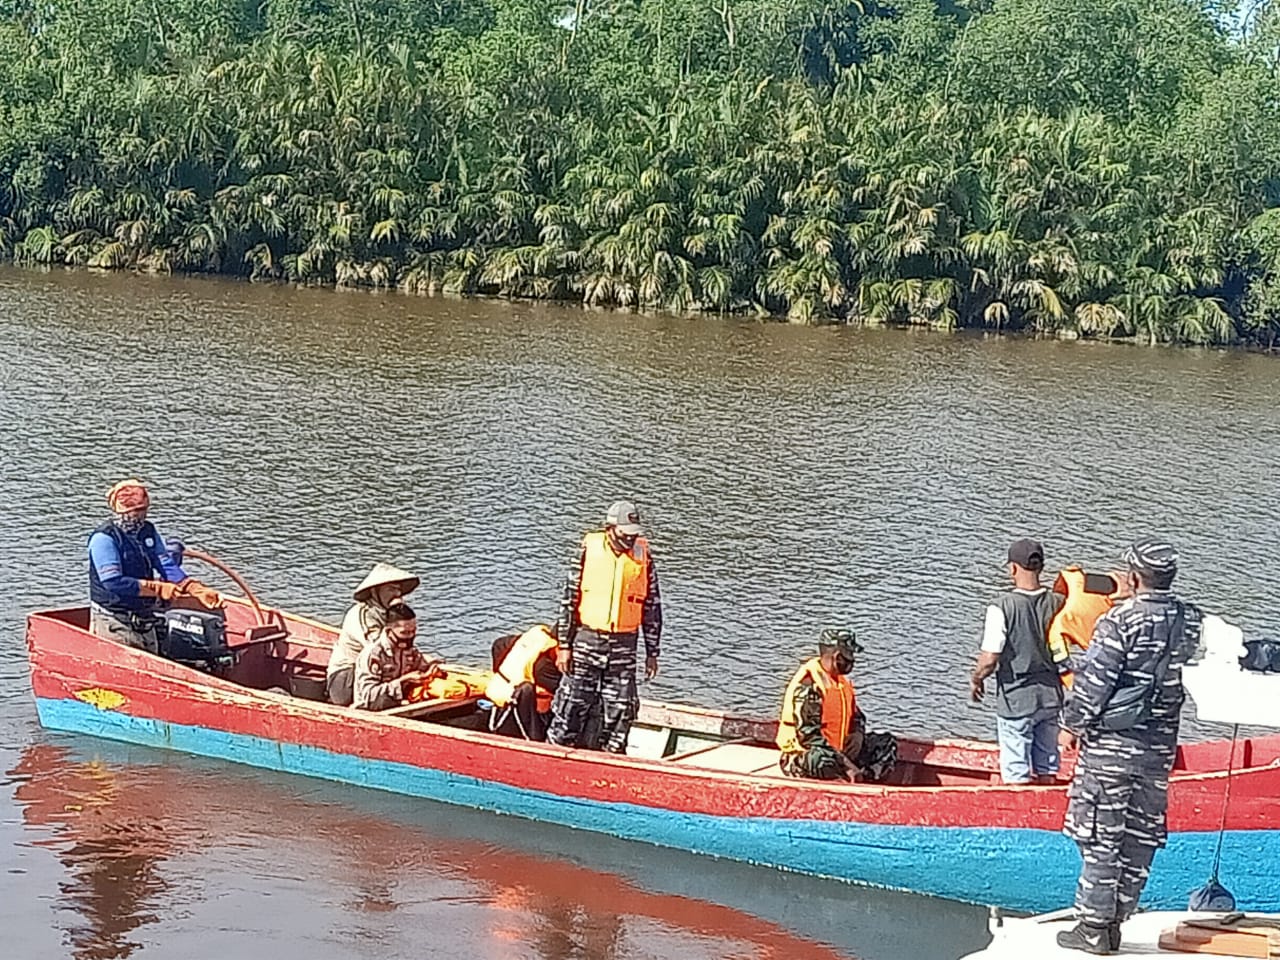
(602, 673)
(810, 755)
(1119, 794)
(875, 754)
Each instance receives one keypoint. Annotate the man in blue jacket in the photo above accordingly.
(132, 572)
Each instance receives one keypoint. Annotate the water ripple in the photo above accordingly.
(791, 478)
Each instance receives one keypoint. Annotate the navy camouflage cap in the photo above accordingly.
(1153, 557)
(842, 641)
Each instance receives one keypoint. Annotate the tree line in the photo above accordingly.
(1096, 168)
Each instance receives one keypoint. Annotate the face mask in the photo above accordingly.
(130, 525)
(843, 664)
(404, 642)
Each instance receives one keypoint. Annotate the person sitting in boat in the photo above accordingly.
(132, 572)
(390, 668)
(383, 588)
(1015, 647)
(525, 678)
(822, 734)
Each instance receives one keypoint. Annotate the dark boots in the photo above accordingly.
(1113, 936)
(1091, 938)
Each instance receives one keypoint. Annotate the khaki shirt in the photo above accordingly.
(378, 671)
(360, 627)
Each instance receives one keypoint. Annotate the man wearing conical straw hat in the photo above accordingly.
(385, 586)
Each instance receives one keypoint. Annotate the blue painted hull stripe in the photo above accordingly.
(1021, 869)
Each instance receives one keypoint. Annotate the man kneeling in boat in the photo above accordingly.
(525, 678)
(391, 667)
(132, 572)
(821, 732)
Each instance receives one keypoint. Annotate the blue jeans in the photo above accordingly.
(1028, 746)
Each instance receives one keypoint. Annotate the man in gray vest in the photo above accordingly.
(1028, 689)
(1124, 707)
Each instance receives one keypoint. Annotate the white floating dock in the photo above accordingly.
(1032, 938)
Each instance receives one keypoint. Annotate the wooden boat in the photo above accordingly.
(693, 779)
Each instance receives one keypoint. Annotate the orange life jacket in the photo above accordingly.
(839, 701)
(517, 668)
(1088, 596)
(448, 686)
(613, 587)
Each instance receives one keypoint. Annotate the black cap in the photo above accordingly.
(842, 641)
(1027, 554)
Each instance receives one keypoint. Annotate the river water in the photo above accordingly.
(791, 478)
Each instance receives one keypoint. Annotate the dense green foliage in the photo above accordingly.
(1100, 167)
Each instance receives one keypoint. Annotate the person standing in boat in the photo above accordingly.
(1015, 648)
(610, 597)
(385, 586)
(1124, 710)
(132, 572)
(390, 667)
(821, 732)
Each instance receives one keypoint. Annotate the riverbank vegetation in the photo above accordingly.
(1104, 168)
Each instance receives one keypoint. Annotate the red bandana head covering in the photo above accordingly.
(128, 495)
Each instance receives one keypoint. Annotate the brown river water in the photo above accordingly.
(791, 478)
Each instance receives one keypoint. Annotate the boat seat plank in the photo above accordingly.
(684, 742)
(649, 742)
(733, 758)
(705, 748)
(425, 708)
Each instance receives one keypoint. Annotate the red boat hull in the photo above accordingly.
(959, 837)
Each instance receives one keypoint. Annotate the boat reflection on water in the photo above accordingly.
(195, 855)
(113, 885)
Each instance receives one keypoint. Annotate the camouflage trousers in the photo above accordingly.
(1117, 818)
(876, 754)
(602, 678)
(141, 633)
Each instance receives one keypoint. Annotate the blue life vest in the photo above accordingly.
(136, 552)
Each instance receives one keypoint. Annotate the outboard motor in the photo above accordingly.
(197, 638)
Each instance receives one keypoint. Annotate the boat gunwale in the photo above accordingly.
(210, 688)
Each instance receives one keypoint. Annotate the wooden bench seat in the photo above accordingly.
(426, 708)
(734, 758)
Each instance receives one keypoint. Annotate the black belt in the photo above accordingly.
(138, 622)
(608, 635)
